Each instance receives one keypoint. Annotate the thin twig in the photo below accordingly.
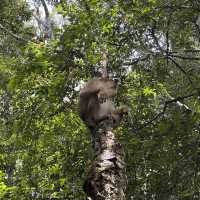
(137, 60)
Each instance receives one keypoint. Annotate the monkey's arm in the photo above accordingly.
(104, 89)
(92, 87)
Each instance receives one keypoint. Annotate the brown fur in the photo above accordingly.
(95, 104)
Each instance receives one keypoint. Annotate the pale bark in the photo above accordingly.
(106, 178)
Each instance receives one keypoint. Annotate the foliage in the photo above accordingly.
(13, 15)
(153, 50)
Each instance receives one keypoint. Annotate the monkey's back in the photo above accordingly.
(94, 104)
(88, 109)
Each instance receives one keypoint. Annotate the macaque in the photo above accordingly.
(96, 103)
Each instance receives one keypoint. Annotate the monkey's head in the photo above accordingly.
(110, 83)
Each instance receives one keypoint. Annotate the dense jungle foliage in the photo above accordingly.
(48, 49)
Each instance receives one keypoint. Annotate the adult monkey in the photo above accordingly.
(95, 101)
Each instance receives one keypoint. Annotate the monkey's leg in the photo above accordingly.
(121, 110)
(114, 117)
(117, 115)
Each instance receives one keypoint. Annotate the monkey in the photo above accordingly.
(96, 103)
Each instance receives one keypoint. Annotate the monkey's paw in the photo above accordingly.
(102, 97)
(124, 110)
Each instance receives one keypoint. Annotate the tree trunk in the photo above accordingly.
(106, 179)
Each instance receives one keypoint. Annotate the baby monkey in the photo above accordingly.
(96, 103)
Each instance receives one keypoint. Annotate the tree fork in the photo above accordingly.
(106, 179)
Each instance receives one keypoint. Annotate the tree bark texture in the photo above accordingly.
(106, 178)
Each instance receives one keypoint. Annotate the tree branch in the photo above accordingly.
(48, 25)
(45, 9)
(180, 68)
(186, 51)
(40, 22)
(172, 100)
(152, 32)
(12, 34)
(104, 63)
(185, 57)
